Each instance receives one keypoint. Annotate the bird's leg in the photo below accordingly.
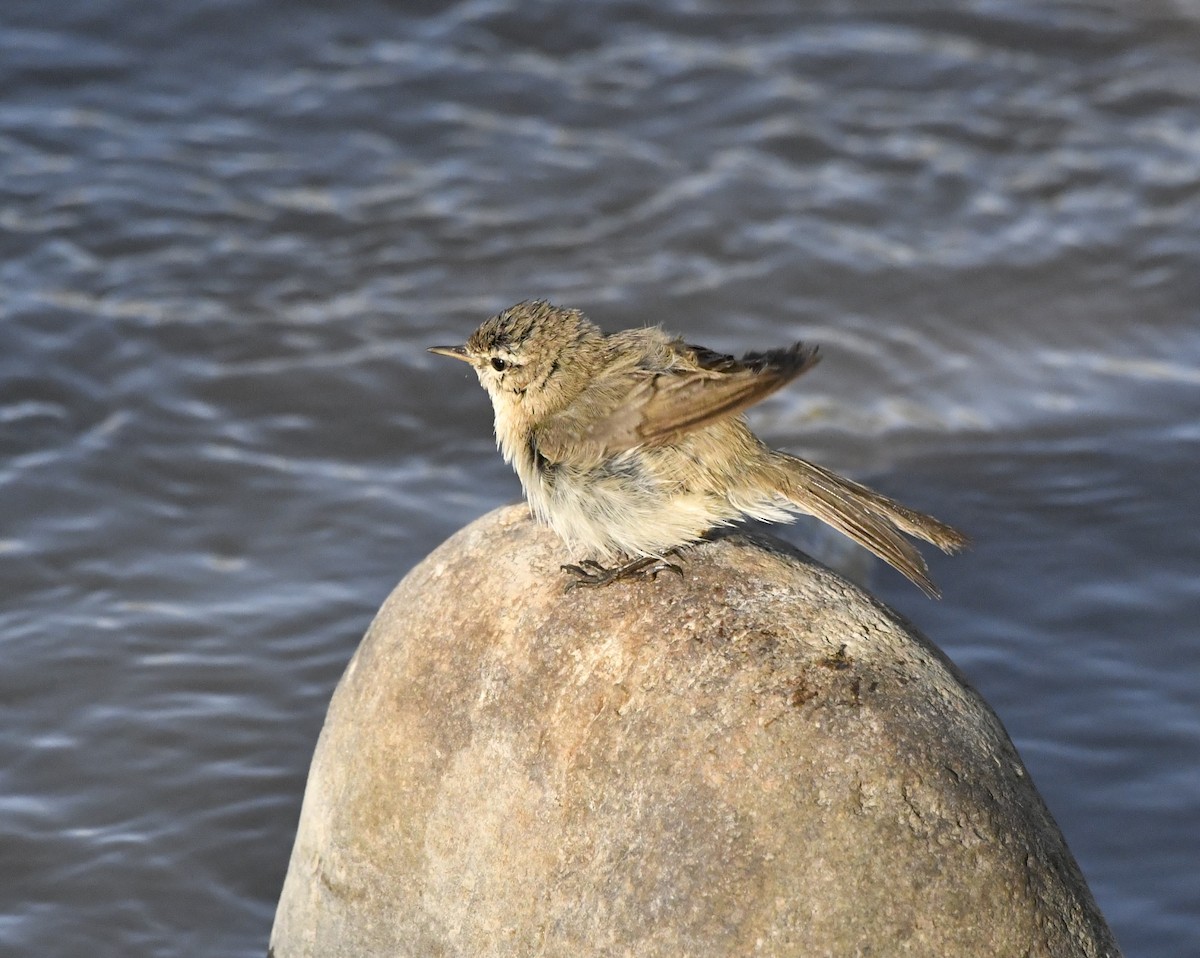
(591, 573)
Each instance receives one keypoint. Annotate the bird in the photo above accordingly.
(632, 445)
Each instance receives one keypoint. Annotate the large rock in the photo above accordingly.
(755, 759)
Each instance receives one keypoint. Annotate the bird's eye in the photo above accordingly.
(499, 364)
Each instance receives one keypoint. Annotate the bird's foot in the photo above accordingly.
(589, 573)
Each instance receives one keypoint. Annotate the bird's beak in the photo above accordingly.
(454, 352)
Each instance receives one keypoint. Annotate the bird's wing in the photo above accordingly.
(641, 405)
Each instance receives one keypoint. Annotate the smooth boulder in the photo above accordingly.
(756, 758)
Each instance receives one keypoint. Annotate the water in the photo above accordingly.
(227, 231)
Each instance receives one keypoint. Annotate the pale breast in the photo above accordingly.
(618, 507)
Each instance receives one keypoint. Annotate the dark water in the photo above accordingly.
(227, 230)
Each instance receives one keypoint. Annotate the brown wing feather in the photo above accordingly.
(655, 405)
(670, 402)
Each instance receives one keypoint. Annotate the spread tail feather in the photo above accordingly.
(872, 520)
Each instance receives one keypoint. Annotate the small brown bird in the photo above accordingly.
(631, 444)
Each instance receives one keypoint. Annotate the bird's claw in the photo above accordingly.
(590, 573)
(665, 566)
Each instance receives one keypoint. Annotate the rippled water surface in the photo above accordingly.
(227, 231)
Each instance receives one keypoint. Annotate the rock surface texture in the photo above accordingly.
(755, 759)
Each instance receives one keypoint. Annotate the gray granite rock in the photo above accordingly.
(755, 759)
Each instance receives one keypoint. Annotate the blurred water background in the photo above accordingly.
(229, 229)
